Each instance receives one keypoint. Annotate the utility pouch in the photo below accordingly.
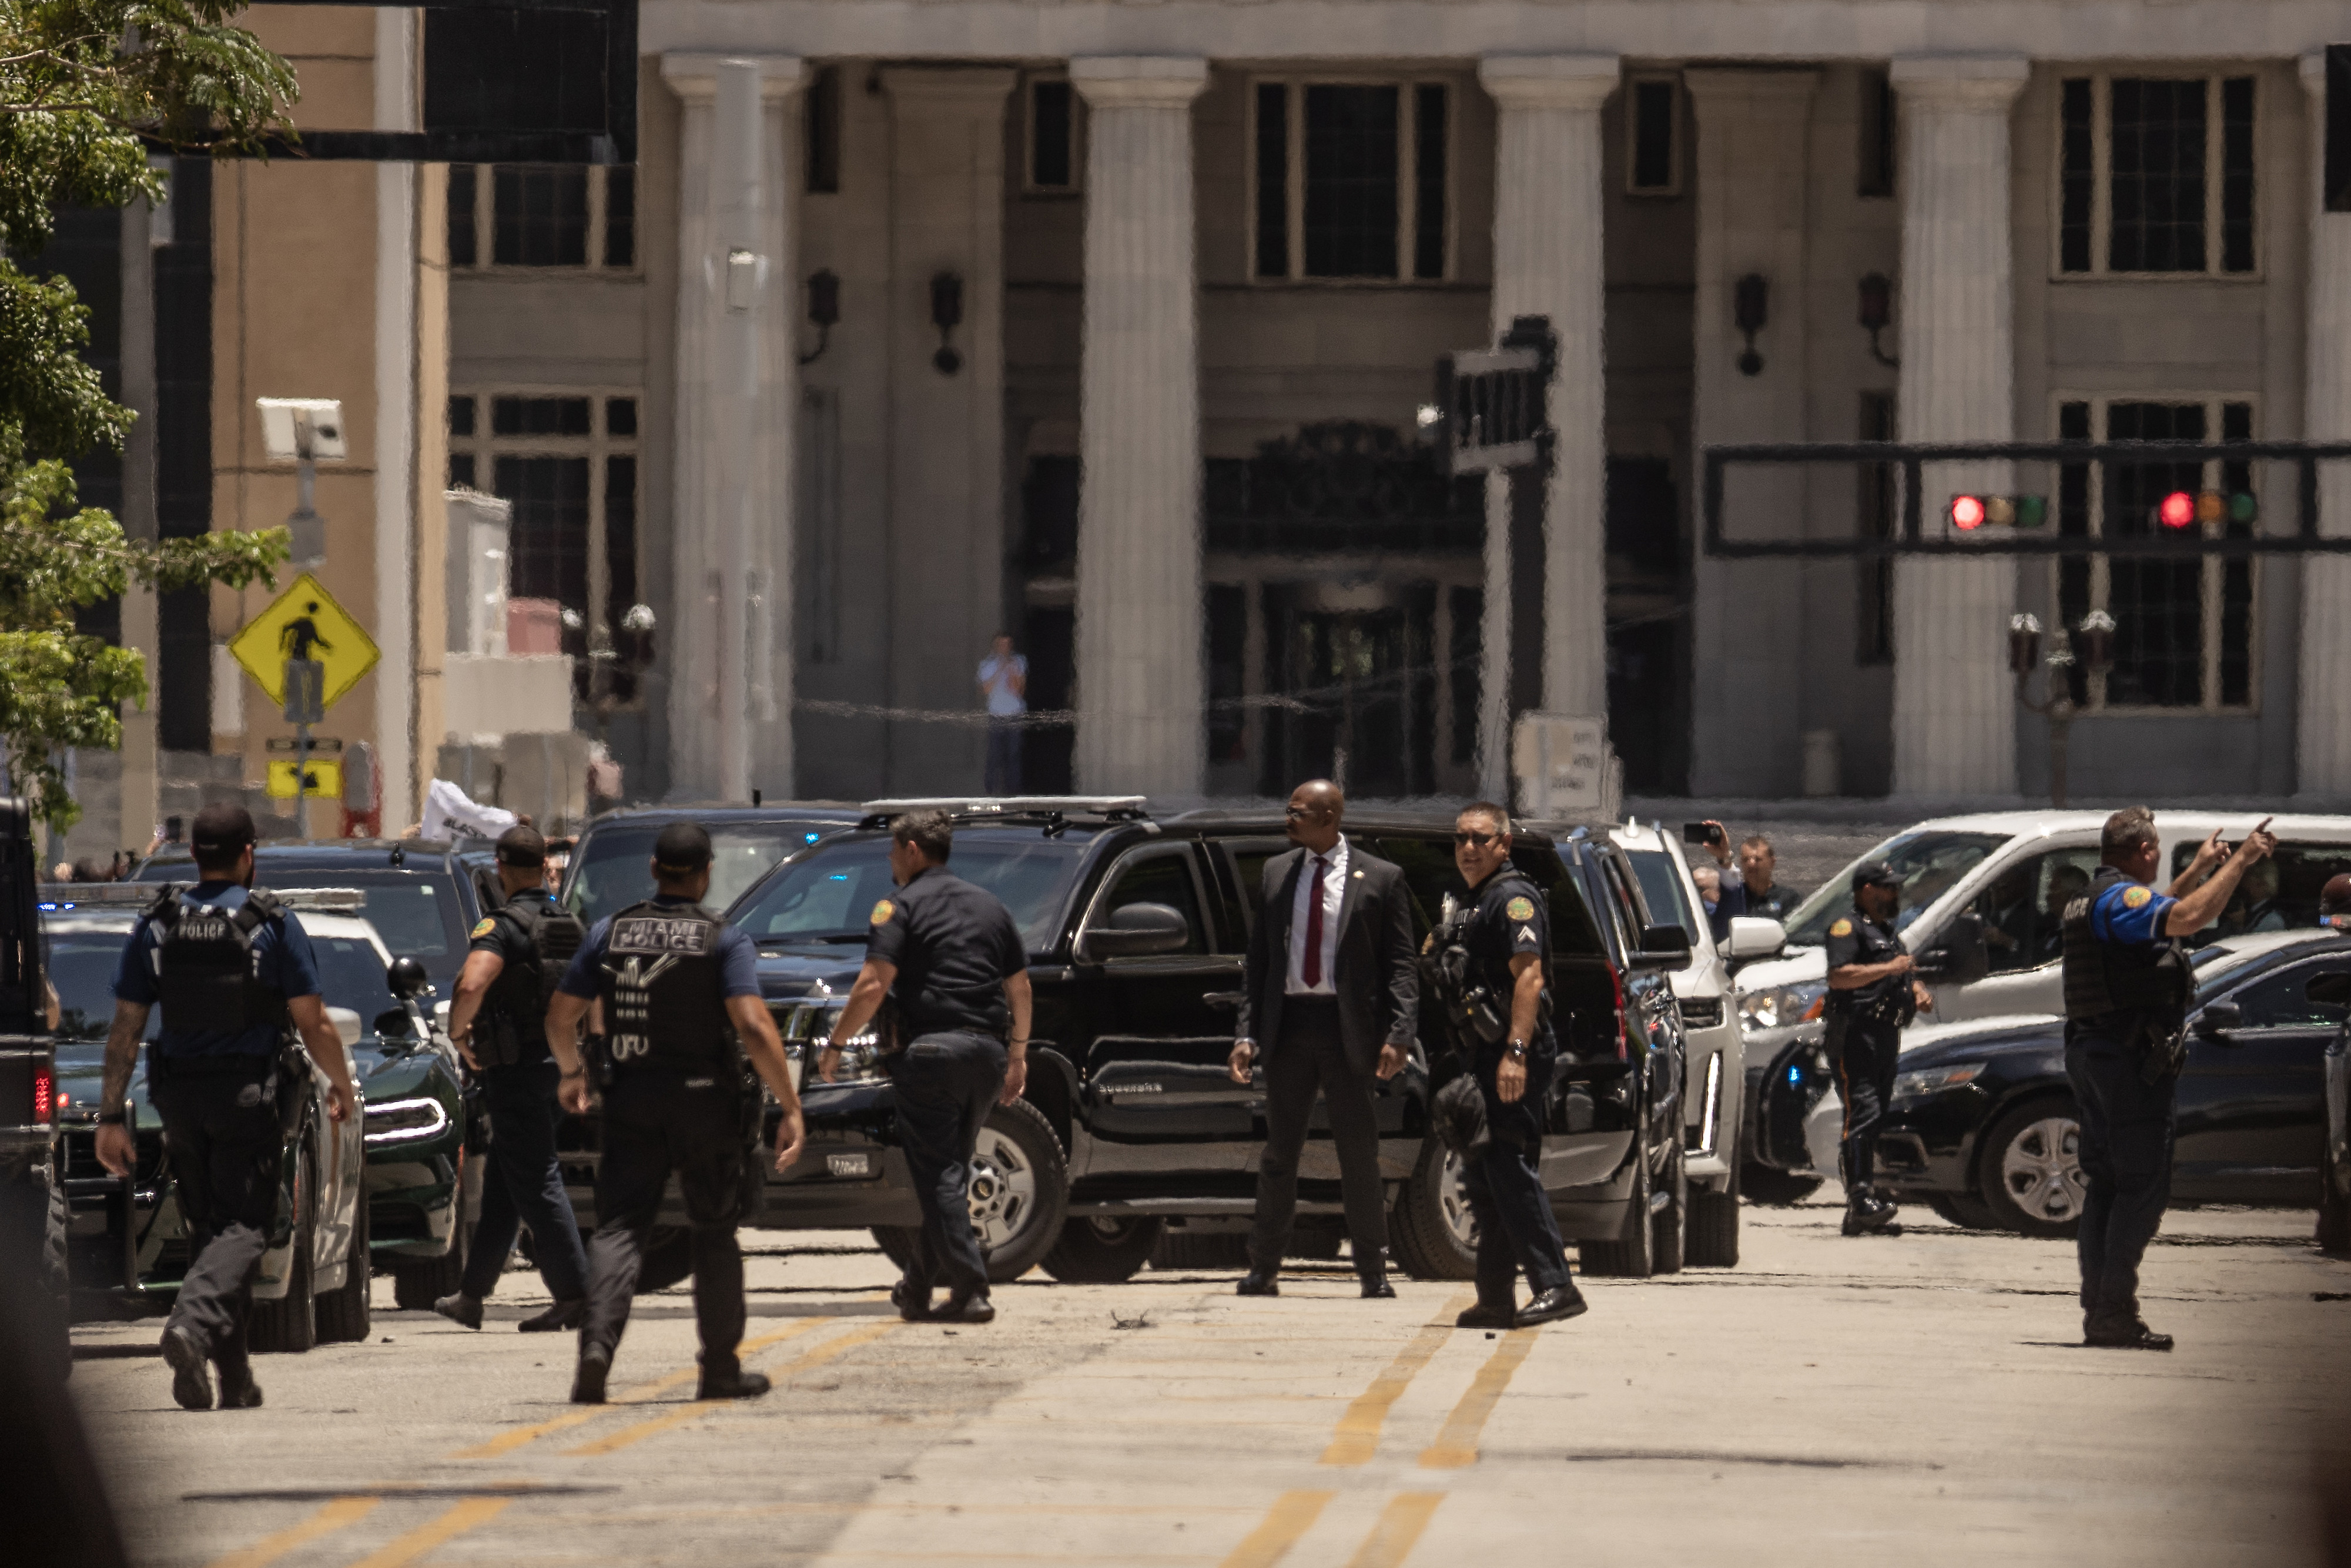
(1486, 1016)
(2163, 1052)
(596, 1056)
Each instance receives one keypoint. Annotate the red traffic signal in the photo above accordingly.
(1967, 513)
(2177, 510)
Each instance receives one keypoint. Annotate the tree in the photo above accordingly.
(86, 87)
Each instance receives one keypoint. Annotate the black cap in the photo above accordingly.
(683, 847)
(1874, 874)
(221, 830)
(521, 846)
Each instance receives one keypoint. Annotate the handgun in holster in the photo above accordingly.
(596, 1057)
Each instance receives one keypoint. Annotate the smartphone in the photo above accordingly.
(1702, 834)
(174, 829)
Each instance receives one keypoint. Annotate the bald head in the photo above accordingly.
(1315, 810)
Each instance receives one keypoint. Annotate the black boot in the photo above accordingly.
(1485, 1316)
(737, 1384)
(191, 1374)
(1258, 1282)
(1376, 1287)
(914, 1306)
(2124, 1333)
(1866, 1212)
(460, 1308)
(587, 1382)
(1553, 1306)
(561, 1315)
(238, 1391)
(963, 1309)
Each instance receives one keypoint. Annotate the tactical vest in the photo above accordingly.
(205, 967)
(2103, 977)
(661, 986)
(519, 997)
(1473, 1009)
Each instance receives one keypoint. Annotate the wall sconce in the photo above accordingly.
(946, 315)
(824, 310)
(1750, 308)
(1876, 312)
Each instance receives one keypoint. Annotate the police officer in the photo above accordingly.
(1494, 944)
(235, 973)
(498, 1021)
(680, 993)
(2127, 987)
(1871, 994)
(951, 960)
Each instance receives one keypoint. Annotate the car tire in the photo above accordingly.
(1635, 1256)
(1714, 1225)
(2333, 1208)
(1180, 1251)
(1963, 1209)
(2029, 1171)
(1103, 1249)
(1671, 1223)
(1019, 1150)
(342, 1312)
(1433, 1235)
(289, 1325)
(1777, 1188)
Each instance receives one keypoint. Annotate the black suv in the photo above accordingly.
(1133, 1138)
(608, 869)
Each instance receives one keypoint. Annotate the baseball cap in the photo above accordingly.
(682, 847)
(222, 828)
(1874, 874)
(521, 846)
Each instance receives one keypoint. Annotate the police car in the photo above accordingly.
(1981, 901)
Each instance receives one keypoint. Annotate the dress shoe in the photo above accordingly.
(1377, 1289)
(961, 1309)
(587, 1382)
(561, 1315)
(1482, 1316)
(1553, 1306)
(460, 1309)
(238, 1391)
(1869, 1212)
(1258, 1282)
(2124, 1333)
(912, 1307)
(740, 1386)
(191, 1374)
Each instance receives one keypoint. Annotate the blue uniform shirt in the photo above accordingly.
(2130, 913)
(738, 958)
(282, 961)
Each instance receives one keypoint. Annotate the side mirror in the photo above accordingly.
(393, 1023)
(1752, 936)
(1136, 931)
(406, 977)
(1961, 957)
(2218, 1018)
(1662, 947)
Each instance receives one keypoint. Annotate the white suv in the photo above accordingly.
(1714, 1087)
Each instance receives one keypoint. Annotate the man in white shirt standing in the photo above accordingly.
(1004, 687)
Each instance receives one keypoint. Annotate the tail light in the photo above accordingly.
(45, 1096)
(1623, 1023)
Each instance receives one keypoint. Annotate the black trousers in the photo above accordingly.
(1866, 1054)
(657, 1122)
(1310, 1057)
(944, 1083)
(525, 1185)
(1516, 1228)
(2125, 1150)
(225, 1144)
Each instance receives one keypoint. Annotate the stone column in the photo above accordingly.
(397, 37)
(2323, 721)
(1139, 639)
(1954, 714)
(690, 628)
(1747, 704)
(1548, 262)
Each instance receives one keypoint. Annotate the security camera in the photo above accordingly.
(298, 427)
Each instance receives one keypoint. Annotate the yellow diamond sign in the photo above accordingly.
(304, 622)
(326, 778)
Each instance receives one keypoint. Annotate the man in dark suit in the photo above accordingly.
(1334, 990)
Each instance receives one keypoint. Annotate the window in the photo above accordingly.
(2183, 629)
(1053, 163)
(2282, 1001)
(1165, 878)
(1227, 685)
(1874, 176)
(2280, 893)
(542, 215)
(2156, 175)
(1876, 507)
(823, 131)
(1653, 142)
(2024, 910)
(1351, 180)
(567, 462)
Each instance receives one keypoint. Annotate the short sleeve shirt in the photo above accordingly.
(1512, 918)
(1855, 938)
(2130, 913)
(738, 958)
(954, 944)
(505, 939)
(282, 960)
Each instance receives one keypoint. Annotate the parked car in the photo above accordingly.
(1981, 898)
(1131, 1130)
(1983, 1126)
(607, 870)
(1714, 1092)
(393, 1195)
(2334, 988)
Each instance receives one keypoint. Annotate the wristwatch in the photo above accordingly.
(1518, 1051)
(114, 1118)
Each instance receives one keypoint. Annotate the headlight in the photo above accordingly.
(404, 1121)
(1777, 1007)
(1935, 1080)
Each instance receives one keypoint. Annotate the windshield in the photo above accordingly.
(81, 967)
(416, 914)
(1930, 864)
(827, 895)
(1661, 885)
(611, 871)
(350, 975)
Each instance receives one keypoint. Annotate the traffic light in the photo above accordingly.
(1969, 513)
(2181, 508)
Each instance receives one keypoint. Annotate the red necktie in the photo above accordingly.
(1310, 969)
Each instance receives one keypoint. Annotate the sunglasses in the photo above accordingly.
(1462, 836)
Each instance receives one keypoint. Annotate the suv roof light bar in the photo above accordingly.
(62, 895)
(1110, 807)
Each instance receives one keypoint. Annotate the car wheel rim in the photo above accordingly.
(1453, 1202)
(2040, 1169)
(1003, 1189)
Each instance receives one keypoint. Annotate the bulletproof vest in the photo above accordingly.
(662, 989)
(1879, 998)
(1471, 999)
(205, 965)
(521, 995)
(2104, 978)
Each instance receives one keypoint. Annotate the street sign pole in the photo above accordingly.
(306, 690)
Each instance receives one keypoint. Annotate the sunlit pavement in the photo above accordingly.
(1919, 1398)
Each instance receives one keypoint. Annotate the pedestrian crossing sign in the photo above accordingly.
(305, 623)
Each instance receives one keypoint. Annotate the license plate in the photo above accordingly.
(850, 1165)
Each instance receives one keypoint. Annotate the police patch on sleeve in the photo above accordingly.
(1842, 928)
(484, 927)
(1521, 908)
(881, 913)
(2137, 897)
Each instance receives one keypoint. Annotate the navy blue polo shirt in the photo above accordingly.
(282, 961)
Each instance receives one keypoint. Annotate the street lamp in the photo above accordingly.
(2095, 653)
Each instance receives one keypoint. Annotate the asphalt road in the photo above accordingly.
(1917, 1399)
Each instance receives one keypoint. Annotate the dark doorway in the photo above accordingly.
(1363, 683)
(1648, 626)
(1045, 750)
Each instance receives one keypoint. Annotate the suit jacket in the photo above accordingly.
(1377, 976)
